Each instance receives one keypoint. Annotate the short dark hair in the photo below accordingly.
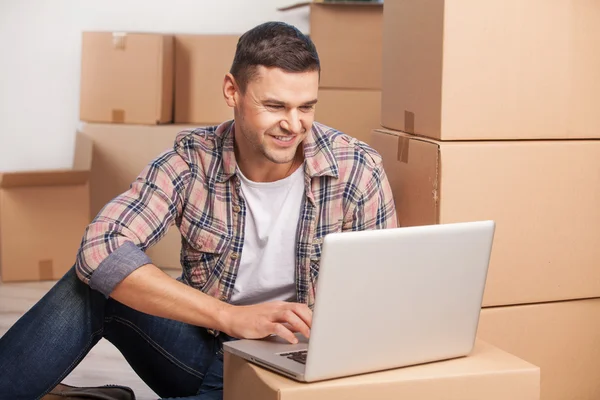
(273, 44)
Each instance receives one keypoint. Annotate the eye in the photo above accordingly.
(275, 106)
(307, 108)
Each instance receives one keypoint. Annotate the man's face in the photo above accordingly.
(275, 114)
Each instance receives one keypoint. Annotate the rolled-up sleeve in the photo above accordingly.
(114, 243)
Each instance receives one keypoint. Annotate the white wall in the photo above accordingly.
(40, 60)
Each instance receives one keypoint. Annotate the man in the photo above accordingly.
(253, 199)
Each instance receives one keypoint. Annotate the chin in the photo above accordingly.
(280, 158)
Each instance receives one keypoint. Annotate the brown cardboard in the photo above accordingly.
(354, 112)
(348, 37)
(126, 78)
(43, 215)
(120, 153)
(488, 373)
(201, 63)
(562, 338)
(466, 70)
(542, 194)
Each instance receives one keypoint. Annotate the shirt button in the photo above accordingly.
(234, 256)
(237, 209)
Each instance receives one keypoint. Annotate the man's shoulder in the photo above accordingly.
(192, 148)
(347, 149)
(203, 137)
(202, 145)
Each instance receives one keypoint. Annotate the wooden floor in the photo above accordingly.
(103, 365)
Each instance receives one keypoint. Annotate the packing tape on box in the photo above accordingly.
(409, 122)
(46, 270)
(119, 40)
(403, 143)
(118, 116)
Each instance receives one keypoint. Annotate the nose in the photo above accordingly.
(293, 123)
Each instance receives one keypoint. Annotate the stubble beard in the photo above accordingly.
(277, 157)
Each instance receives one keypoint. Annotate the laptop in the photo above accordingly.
(386, 299)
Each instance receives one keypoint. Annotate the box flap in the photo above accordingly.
(82, 157)
(331, 3)
(408, 135)
(65, 177)
(294, 6)
(412, 167)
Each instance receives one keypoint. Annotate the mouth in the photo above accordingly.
(284, 140)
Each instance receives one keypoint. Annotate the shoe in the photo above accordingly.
(106, 392)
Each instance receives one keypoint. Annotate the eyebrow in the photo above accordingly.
(282, 103)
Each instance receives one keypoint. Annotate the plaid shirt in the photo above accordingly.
(195, 187)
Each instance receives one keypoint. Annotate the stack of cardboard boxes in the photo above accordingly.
(491, 110)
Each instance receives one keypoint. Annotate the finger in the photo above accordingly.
(290, 327)
(284, 333)
(290, 317)
(303, 312)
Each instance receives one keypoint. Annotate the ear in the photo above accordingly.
(230, 90)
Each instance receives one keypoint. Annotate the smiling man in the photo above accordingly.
(253, 199)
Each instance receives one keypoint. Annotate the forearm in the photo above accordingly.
(150, 290)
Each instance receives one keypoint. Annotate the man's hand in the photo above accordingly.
(261, 320)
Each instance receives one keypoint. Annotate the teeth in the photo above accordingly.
(284, 138)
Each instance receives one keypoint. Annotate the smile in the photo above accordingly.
(284, 138)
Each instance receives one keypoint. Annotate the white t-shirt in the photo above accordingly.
(268, 266)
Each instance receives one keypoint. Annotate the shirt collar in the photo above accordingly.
(318, 154)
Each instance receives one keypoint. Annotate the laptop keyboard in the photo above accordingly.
(298, 356)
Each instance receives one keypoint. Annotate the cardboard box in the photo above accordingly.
(126, 78)
(201, 63)
(562, 338)
(542, 194)
(498, 69)
(348, 36)
(488, 373)
(43, 216)
(354, 112)
(120, 153)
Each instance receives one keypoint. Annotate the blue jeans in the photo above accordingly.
(176, 360)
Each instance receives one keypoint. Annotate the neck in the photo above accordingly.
(266, 171)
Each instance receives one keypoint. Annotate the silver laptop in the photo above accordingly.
(387, 299)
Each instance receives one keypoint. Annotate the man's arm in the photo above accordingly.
(114, 244)
(150, 290)
(112, 260)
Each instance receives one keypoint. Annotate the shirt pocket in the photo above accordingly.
(204, 259)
